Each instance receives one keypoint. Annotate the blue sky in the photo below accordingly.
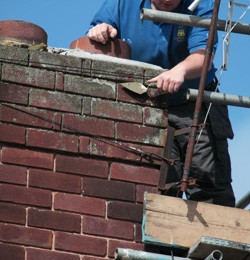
(65, 21)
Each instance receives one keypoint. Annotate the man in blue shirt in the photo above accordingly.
(181, 50)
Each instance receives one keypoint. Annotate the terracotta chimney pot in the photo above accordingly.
(114, 47)
(21, 33)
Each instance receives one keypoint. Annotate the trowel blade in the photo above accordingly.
(136, 87)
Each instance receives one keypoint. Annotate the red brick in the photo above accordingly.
(12, 213)
(51, 140)
(86, 105)
(114, 244)
(84, 144)
(141, 189)
(155, 117)
(59, 81)
(79, 204)
(29, 116)
(11, 252)
(154, 153)
(13, 93)
(38, 254)
(140, 134)
(91, 258)
(28, 76)
(54, 220)
(24, 195)
(27, 157)
(54, 181)
(125, 211)
(137, 174)
(13, 174)
(55, 100)
(82, 166)
(80, 244)
(12, 134)
(117, 110)
(124, 72)
(138, 233)
(14, 54)
(113, 150)
(25, 236)
(89, 125)
(46, 60)
(109, 189)
(108, 228)
(89, 87)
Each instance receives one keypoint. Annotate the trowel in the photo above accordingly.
(139, 88)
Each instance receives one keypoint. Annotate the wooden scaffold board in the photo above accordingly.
(177, 223)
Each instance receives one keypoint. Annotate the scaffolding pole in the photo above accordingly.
(221, 98)
(129, 254)
(192, 20)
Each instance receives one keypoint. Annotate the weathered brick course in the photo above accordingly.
(89, 125)
(137, 174)
(89, 87)
(55, 62)
(14, 55)
(55, 100)
(29, 116)
(51, 140)
(14, 93)
(82, 166)
(28, 76)
(140, 134)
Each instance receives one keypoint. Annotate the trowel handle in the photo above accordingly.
(153, 91)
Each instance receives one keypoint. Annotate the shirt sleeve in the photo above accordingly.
(107, 13)
(198, 37)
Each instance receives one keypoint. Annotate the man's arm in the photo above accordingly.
(190, 68)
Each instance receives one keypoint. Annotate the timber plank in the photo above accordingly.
(175, 222)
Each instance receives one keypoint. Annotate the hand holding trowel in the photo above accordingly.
(137, 87)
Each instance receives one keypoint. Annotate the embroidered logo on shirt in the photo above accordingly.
(181, 35)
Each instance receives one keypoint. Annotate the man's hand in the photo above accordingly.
(169, 81)
(102, 32)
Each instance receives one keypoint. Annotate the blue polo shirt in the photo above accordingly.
(157, 43)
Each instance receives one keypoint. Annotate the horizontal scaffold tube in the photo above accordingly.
(221, 98)
(129, 254)
(191, 20)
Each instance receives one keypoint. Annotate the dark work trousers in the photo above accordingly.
(210, 164)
